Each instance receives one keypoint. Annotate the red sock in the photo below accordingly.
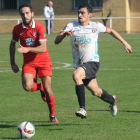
(37, 87)
(50, 100)
(51, 105)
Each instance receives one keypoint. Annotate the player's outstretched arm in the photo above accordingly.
(39, 49)
(62, 35)
(12, 56)
(116, 35)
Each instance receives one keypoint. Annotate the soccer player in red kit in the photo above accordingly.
(33, 46)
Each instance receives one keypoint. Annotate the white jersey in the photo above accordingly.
(84, 41)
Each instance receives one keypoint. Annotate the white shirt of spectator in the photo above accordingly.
(48, 12)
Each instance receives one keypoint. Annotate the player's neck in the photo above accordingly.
(30, 25)
(84, 23)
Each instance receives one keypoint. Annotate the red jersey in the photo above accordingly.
(30, 37)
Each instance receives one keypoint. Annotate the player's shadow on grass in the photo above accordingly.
(59, 125)
(10, 138)
(6, 126)
(129, 111)
(135, 55)
(98, 110)
(46, 124)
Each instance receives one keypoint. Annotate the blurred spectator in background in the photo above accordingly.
(49, 14)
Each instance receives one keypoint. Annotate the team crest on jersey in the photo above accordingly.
(35, 33)
(94, 30)
(44, 34)
(30, 41)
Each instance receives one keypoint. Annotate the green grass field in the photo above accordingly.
(119, 74)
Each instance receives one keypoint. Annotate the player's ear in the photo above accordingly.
(90, 14)
(32, 14)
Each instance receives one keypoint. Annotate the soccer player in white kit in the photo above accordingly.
(84, 44)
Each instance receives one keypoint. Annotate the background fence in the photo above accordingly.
(122, 24)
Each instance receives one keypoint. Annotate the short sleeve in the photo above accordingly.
(68, 27)
(101, 27)
(42, 33)
(15, 37)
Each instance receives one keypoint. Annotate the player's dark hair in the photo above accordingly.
(86, 5)
(26, 5)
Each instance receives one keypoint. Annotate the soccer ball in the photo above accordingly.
(26, 130)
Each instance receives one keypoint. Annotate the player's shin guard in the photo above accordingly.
(107, 98)
(51, 104)
(80, 91)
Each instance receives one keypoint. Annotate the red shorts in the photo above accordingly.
(40, 68)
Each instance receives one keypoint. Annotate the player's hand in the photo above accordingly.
(69, 33)
(128, 48)
(23, 49)
(14, 68)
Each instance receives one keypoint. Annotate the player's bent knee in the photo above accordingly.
(94, 93)
(76, 77)
(28, 87)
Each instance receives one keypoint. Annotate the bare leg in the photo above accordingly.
(46, 81)
(27, 81)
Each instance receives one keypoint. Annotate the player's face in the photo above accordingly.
(84, 16)
(26, 15)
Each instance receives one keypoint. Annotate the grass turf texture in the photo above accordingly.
(119, 74)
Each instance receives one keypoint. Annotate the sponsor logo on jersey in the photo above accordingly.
(83, 40)
(30, 41)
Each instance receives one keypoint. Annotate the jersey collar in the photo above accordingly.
(89, 22)
(33, 26)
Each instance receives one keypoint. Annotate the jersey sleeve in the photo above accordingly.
(15, 37)
(68, 27)
(42, 34)
(101, 27)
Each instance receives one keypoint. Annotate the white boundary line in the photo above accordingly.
(104, 39)
(66, 66)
